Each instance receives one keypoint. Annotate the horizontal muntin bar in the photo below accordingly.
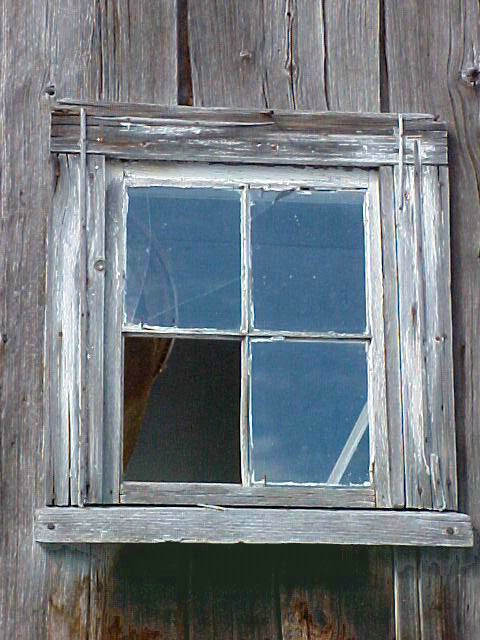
(128, 524)
(256, 334)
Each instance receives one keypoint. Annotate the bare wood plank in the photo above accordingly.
(266, 137)
(139, 47)
(240, 496)
(377, 401)
(259, 526)
(335, 592)
(411, 286)
(64, 333)
(407, 604)
(352, 34)
(392, 333)
(244, 113)
(113, 345)
(95, 313)
(439, 337)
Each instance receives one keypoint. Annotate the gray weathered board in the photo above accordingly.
(259, 526)
(149, 132)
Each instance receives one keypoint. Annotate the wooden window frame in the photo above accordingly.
(400, 161)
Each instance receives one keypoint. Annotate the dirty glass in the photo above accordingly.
(306, 399)
(183, 257)
(308, 261)
(189, 431)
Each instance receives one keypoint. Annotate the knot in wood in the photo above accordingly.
(471, 76)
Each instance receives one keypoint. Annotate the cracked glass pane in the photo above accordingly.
(183, 257)
(308, 261)
(307, 398)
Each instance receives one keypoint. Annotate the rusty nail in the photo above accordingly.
(449, 531)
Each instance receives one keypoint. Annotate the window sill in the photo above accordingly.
(248, 525)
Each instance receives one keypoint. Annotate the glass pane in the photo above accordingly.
(308, 261)
(183, 257)
(306, 399)
(182, 424)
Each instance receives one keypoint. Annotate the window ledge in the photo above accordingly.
(212, 524)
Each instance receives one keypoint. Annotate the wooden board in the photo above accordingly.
(236, 495)
(259, 526)
(423, 42)
(148, 132)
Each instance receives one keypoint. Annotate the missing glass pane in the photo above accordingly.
(182, 410)
(308, 260)
(309, 412)
(183, 257)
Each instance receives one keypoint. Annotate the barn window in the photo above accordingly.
(249, 328)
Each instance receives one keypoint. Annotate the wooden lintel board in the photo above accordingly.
(150, 132)
(262, 526)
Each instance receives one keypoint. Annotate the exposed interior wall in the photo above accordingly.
(304, 54)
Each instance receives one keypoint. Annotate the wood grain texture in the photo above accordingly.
(64, 339)
(262, 137)
(237, 495)
(62, 46)
(426, 338)
(258, 526)
(95, 306)
(439, 43)
(381, 470)
(392, 337)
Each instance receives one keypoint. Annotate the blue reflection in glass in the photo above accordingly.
(183, 257)
(306, 398)
(308, 260)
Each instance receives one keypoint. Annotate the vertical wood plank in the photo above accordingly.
(388, 484)
(392, 352)
(113, 342)
(411, 287)
(64, 340)
(352, 55)
(95, 235)
(35, 38)
(139, 51)
(427, 49)
(407, 605)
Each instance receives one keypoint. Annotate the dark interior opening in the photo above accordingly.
(182, 410)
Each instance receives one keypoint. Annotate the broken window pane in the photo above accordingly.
(308, 261)
(183, 257)
(186, 429)
(307, 397)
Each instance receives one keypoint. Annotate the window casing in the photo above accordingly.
(396, 162)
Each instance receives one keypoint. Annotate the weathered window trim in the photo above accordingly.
(399, 159)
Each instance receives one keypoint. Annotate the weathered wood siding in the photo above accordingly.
(306, 54)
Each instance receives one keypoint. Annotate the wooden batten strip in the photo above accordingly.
(260, 526)
(392, 338)
(377, 401)
(113, 346)
(364, 121)
(194, 494)
(95, 314)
